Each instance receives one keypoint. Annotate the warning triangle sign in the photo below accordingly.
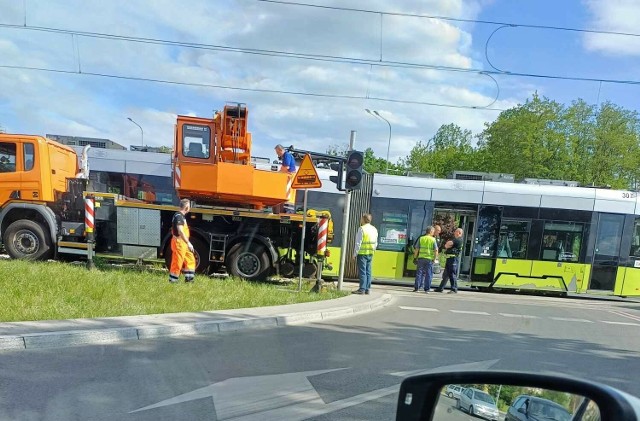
(307, 176)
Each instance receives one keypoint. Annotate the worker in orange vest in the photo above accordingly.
(182, 258)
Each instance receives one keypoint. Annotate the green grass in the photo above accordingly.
(52, 290)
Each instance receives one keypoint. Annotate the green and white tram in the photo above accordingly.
(517, 236)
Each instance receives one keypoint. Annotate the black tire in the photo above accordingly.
(458, 406)
(200, 252)
(450, 395)
(286, 267)
(27, 240)
(249, 261)
(470, 411)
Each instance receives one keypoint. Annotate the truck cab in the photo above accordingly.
(33, 174)
(33, 168)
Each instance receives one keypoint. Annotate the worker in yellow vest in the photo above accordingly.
(425, 252)
(366, 244)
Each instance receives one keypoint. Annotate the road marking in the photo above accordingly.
(626, 315)
(570, 319)
(520, 316)
(287, 396)
(535, 301)
(474, 366)
(621, 323)
(480, 313)
(419, 308)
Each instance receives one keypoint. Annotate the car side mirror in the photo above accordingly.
(553, 397)
(522, 411)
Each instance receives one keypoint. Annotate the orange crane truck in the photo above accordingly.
(43, 188)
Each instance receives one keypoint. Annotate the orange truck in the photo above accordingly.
(43, 187)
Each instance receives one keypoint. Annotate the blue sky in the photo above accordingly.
(41, 102)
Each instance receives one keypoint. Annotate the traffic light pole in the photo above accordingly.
(345, 224)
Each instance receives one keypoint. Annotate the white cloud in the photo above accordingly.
(614, 16)
(39, 102)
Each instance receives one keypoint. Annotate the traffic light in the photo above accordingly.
(355, 163)
(338, 179)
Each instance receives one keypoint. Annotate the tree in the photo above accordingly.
(373, 164)
(450, 149)
(544, 139)
(615, 148)
(579, 129)
(527, 141)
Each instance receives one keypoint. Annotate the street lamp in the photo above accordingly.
(141, 131)
(374, 113)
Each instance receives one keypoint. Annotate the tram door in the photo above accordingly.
(606, 256)
(468, 224)
(485, 244)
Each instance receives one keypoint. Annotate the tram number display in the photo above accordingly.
(629, 195)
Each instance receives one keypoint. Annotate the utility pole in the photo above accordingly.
(345, 225)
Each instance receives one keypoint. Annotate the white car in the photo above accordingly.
(453, 391)
(478, 403)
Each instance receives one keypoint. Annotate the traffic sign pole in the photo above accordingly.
(304, 229)
(306, 178)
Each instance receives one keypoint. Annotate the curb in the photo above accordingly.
(68, 338)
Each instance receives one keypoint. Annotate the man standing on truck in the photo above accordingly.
(288, 162)
(288, 166)
(182, 258)
(366, 244)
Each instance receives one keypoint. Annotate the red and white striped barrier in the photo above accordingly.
(323, 230)
(176, 177)
(89, 215)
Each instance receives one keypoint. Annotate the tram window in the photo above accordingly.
(514, 237)
(635, 240)
(393, 231)
(562, 241)
(196, 141)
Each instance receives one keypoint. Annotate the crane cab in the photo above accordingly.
(212, 163)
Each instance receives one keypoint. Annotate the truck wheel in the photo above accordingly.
(200, 252)
(287, 267)
(25, 239)
(250, 263)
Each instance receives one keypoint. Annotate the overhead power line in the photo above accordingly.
(332, 58)
(259, 90)
(501, 25)
(255, 51)
(264, 52)
(452, 19)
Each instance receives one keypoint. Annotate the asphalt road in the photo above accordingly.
(347, 369)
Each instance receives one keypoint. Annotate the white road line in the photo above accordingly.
(488, 299)
(419, 308)
(570, 319)
(481, 313)
(621, 323)
(625, 315)
(520, 316)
